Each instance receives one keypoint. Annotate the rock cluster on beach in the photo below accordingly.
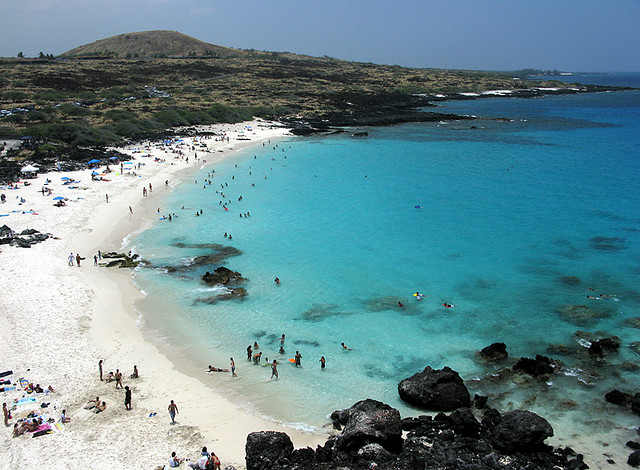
(372, 434)
(24, 239)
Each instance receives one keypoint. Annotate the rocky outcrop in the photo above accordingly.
(268, 450)
(456, 441)
(439, 390)
(520, 430)
(222, 276)
(120, 260)
(368, 422)
(635, 404)
(494, 352)
(537, 367)
(24, 239)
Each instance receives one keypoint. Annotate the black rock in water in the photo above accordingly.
(634, 459)
(223, 276)
(494, 352)
(617, 397)
(541, 365)
(438, 390)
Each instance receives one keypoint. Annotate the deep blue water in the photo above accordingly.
(509, 204)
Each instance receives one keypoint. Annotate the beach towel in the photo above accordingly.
(5, 373)
(57, 427)
(6, 389)
(24, 383)
(24, 401)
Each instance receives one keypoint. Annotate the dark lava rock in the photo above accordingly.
(441, 390)
(494, 352)
(633, 445)
(634, 459)
(222, 276)
(490, 418)
(570, 280)
(266, 450)
(520, 430)
(635, 404)
(480, 401)
(25, 239)
(541, 365)
(617, 397)
(367, 422)
(464, 422)
(610, 344)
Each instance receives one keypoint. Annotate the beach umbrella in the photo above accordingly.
(93, 161)
(113, 158)
(29, 169)
(94, 173)
(128, 163)
(58, 198)
(65, 178)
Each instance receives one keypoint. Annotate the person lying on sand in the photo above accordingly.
(216, 369)
(110, 377)
(92, 404)
(100, 408)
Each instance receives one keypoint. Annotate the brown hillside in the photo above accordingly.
(152, 44)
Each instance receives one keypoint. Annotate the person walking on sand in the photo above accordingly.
(233, 367)
(173, 411)
(100, 368)
(71, 259)
(127, 398)
(95, 260)
(274, 369)
(107, 198)
(118, 378)
(78, 259)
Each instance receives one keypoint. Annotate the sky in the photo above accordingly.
(568, 35)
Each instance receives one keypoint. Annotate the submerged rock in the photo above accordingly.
(617, 397)
(580, 314)
(231, 294)
(439, 390)
(608, 243)
(570, 280)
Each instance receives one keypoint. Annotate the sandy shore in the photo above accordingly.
(58, 321)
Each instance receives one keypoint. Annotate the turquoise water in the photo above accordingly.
(506, 209)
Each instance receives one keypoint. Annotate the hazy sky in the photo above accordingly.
(572, 35)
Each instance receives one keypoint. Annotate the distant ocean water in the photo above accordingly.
(511, 218)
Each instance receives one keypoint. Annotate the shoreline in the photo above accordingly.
(93, 314)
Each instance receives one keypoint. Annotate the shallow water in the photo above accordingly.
(489, 219)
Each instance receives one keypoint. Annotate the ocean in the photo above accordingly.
(512, 218)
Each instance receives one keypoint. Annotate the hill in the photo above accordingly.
(152, 44)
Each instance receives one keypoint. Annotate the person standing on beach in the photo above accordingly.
(298, 356)
(127, 398)
(322, 362)
(71, 259)
(78, 259)
(5, 410)
(100, 368)
(233, 367)
(107, 198)
(173, 411)
(118, 378)
(274, 369)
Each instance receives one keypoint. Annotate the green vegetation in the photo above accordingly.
(101, 100)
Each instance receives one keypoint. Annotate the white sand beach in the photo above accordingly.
(59, 321)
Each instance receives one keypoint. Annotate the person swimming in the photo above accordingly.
(448, 305)
(418, 295)
(277, 280)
